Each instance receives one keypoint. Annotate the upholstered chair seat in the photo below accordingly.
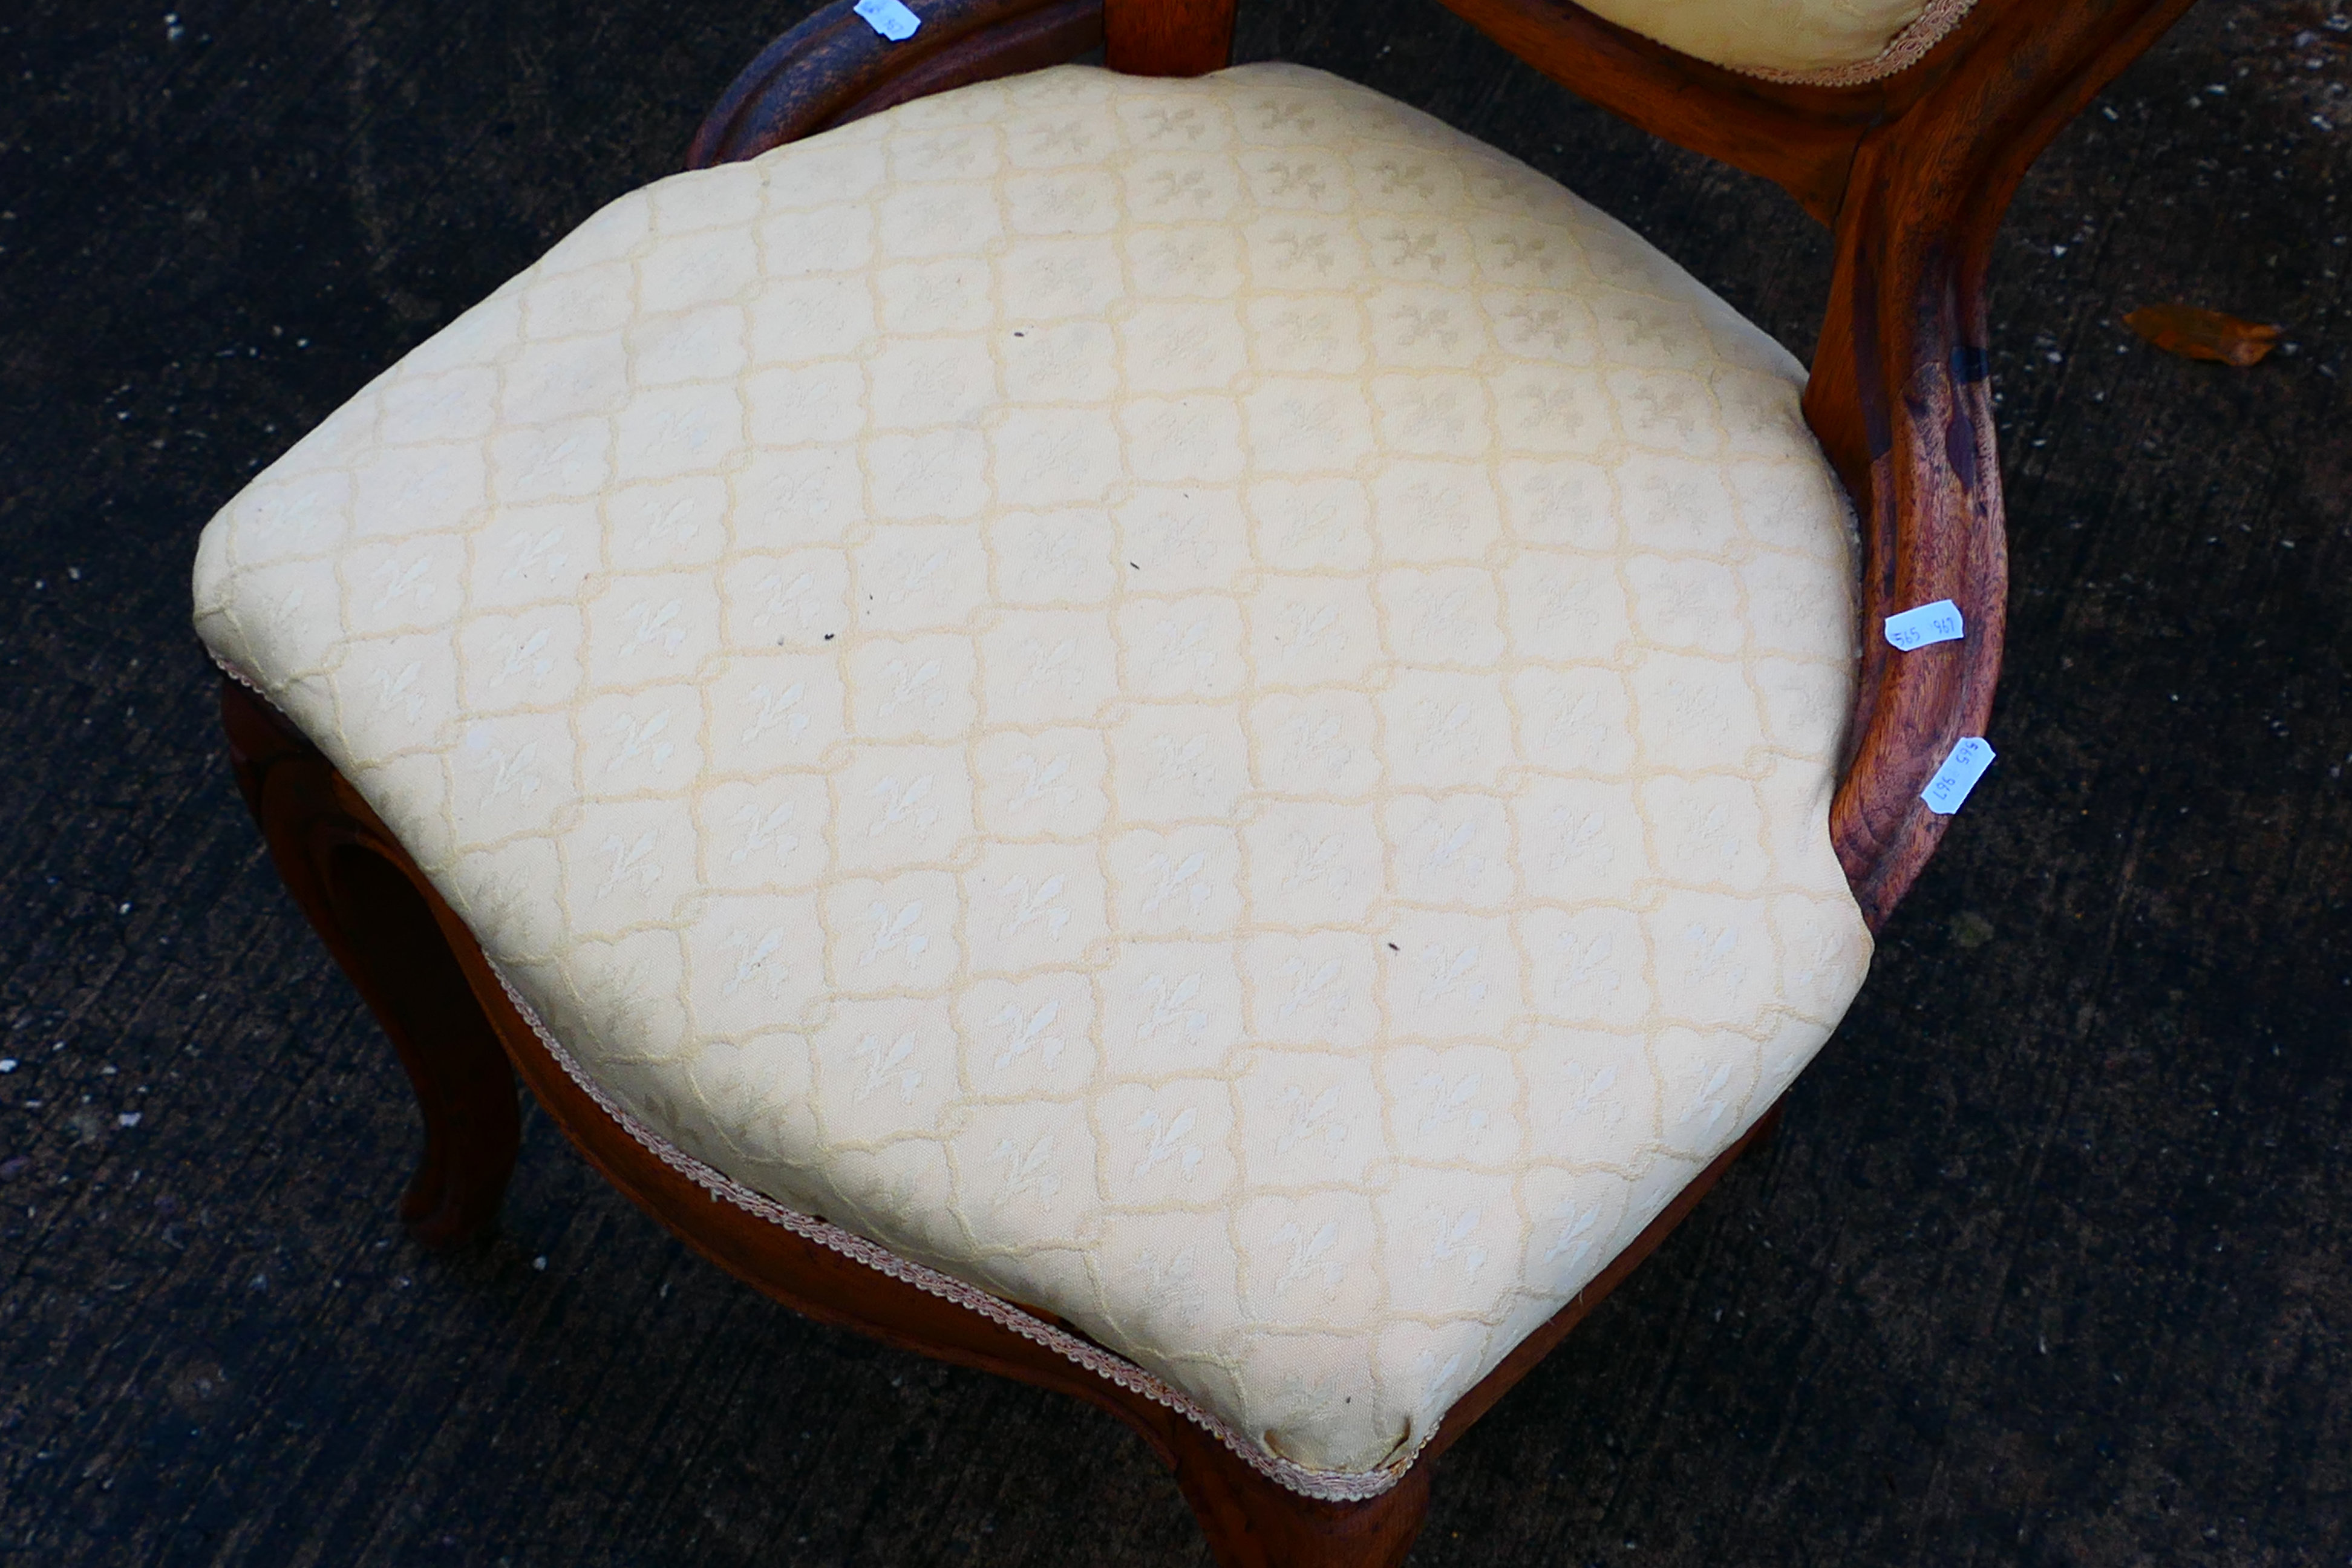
(1199, 712)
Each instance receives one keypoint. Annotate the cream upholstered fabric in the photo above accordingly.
(1832, 40)
(1205, 704)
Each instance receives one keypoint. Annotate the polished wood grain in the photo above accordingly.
(1912, 173)
(834, 68)
(1051, 35)
(1902, 400)
(1168, 38)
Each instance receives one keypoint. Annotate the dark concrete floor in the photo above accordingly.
(2049, 1266)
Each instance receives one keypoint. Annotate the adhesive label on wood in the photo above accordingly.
(1965, 766)
(889, 18)
(1939, 622)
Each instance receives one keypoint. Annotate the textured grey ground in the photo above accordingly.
(2048, 1265)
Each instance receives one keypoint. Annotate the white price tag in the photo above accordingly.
(889, 18)
(1950, 786)
(1939, 622)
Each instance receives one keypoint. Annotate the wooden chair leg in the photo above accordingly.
(382, 932)
(1253, 1522)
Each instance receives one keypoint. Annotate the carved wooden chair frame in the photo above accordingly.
(1911, 172)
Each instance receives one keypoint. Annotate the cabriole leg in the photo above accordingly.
(1251, 1522)
(380, 930)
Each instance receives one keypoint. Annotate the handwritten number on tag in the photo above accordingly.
(1961, 769)
(1939, 622)
(889, 18)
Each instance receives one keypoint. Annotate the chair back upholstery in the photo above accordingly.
(1827, 43)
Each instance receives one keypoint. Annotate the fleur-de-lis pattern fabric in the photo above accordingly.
(1793, 37)
(1205, 704)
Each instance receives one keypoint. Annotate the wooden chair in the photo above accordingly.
(1910, 161)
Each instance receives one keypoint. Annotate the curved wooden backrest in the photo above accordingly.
(1911, 172)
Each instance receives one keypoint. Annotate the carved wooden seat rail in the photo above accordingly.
(1911, 173)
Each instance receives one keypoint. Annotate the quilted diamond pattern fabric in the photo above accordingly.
(1205, 704)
